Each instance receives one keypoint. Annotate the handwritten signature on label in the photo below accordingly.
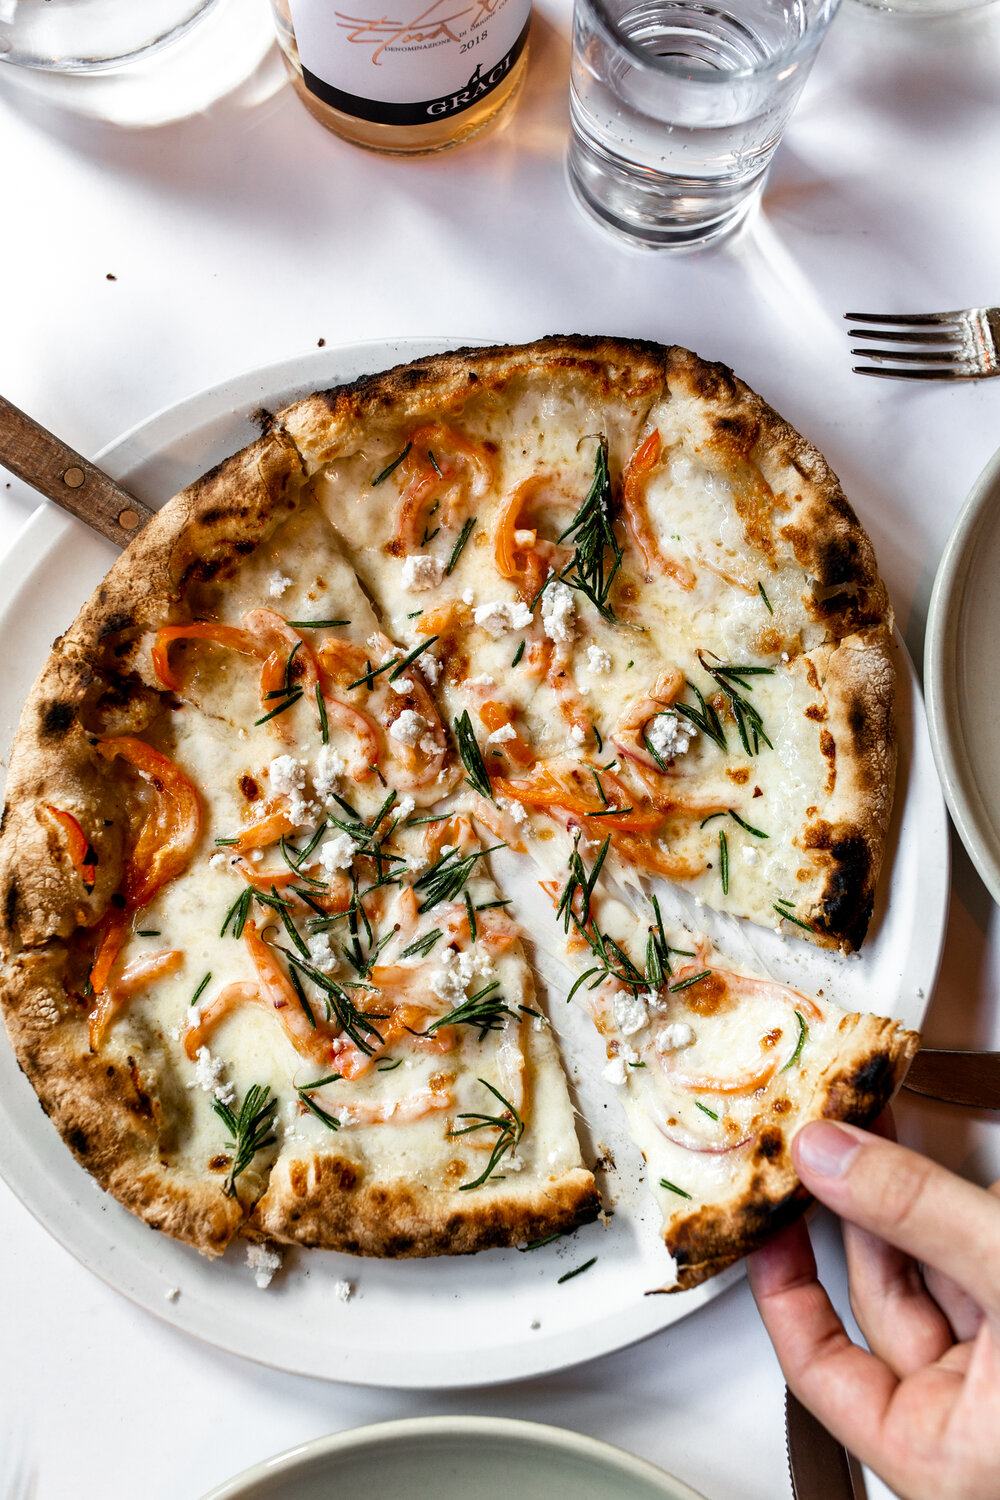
(432, 25)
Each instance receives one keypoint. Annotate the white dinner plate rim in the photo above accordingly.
(942, 684)
(228, 403)
(414, 1430)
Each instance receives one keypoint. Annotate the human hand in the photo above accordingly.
(922, 1409)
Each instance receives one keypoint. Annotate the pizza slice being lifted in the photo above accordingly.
(587, 599)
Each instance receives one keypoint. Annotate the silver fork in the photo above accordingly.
(963, 345)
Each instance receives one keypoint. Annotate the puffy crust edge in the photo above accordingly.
(325, 1202)
(97, 680)
(859, 683)
(855, 1087)
(108, 1113)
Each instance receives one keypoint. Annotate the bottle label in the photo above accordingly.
(407, 62)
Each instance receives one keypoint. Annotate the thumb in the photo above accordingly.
(908, 1201)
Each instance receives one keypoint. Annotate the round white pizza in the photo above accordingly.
(587, 600)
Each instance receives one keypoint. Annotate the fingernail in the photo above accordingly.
(826, 1149)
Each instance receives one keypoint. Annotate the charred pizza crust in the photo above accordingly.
(767, 1194)
(99, 682)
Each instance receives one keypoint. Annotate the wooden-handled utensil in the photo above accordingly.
(39, 458)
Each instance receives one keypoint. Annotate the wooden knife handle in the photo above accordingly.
(39, 458)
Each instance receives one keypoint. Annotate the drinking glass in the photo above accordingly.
(83, 36)
(677, 107)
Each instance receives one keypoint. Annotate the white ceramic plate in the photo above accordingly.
(502, 1314)
(455, 1458)
(962, 674)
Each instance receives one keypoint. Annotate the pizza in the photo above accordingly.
(577, 637)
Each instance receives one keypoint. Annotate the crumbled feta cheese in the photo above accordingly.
(498, 618)
(513, 1164)
(217, 860)
(502, 735)
(515, 810)
(320, 952)
(208, 1071)
(408, 727)
(422, 572)
(263, 1261)
(559, 613)
(669, 734)
(630, 1014)
(598, 661)
(615, 1072)
(402, 685)
(288, 779)
(343, 1290)
(468, 597)
(430, 666)
(329, 768)
(483, 680)
(784, 656)
(277, 584)
(335, 854)
(577, 734)
(673, 1036)
(751, 856)
(404, 806)
(457, 971)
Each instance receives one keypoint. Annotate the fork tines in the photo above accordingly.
(941, 346)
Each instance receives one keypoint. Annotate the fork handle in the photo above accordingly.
(46, 463)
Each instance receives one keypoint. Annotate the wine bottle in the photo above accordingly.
(407, 77)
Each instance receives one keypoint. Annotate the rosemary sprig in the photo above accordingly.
(238, 914)
(409, 660)
(315, 624)
(578, 1271)
(685, 984)
(485, 1009)
(456, 551)
(390, 467)
(798, 1045)
(368, 678)
(354, 1022)
(518, 653)
(730, 812)
(788, 916)
(288, 702)
(472, 757)
(447, 877)
(330, 1121)
(763, 595)
(251, 1130)
(324, 723)
(203, 986)
(724, 861)
(422, 946)
(510, 1128)
(731, 679)
(705, 1110)
(592, 533)
(673, 1188)
(704, 717)
(580, 881)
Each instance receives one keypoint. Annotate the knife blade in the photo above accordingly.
(969, 1078)
(818, 1464)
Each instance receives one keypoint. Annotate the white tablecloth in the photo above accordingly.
(147, 252)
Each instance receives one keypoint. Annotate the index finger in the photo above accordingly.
(907, 1200)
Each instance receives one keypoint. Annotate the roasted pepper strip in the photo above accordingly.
(82, 856)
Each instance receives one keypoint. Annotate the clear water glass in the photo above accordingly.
(677, 108)
(83, 36)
